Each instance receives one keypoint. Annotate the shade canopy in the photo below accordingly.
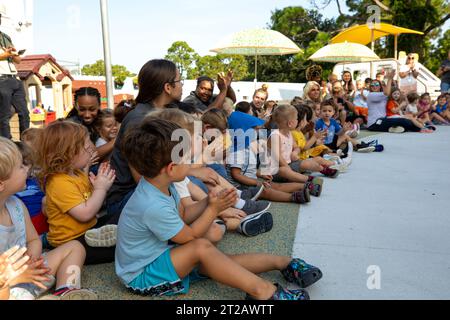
(344, 52)
(261, 42)
(363, 33)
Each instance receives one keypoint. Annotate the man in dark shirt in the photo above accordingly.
(202, 98)
(444, 73)
(12, 92)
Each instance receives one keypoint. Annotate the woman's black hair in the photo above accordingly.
(153, 77)
(82, 92)
(243, 106)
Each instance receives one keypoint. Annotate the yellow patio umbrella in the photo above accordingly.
(368, 33)
(256, 42)
(344, 52)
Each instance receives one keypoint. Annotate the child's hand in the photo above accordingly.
(13, 263)
(224, 200)
(94, 158)
(36, 273)
(348, 126)
(232, 213)
(104, 179)
(319, 135)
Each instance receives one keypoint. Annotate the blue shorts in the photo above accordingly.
(160, 278)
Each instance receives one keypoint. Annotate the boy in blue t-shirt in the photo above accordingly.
(157, 253)
(335, 133)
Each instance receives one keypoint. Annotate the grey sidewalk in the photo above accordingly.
(390, 210)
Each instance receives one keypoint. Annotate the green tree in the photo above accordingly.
(308, 29)
(120, 73)
(427, 16)
(211, 65)
(184, 57)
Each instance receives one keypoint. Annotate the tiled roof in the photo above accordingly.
(31, 65)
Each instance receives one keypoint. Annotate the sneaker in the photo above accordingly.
(18, 293)
(331, 158)
(340, 165)
(330, 172)
(255, 207)
(396, 129)
(315, 186)
(255, 224)
(72, 294)
(221, 224)
(252, 193)
(301, 196)
(379, 148)
(286, 294)
(301, 273)
(363, 149)
(102, 237)
(430, 127)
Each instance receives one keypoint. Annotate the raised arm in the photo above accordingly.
(390, 77)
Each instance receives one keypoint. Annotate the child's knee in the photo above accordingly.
(75, 247)
(202, 245)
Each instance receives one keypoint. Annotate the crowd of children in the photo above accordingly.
(104, 186)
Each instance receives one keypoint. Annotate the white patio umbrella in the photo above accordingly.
(256, 42)
(344, 52)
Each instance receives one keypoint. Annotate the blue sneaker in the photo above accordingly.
(286, 294)
(301, 273)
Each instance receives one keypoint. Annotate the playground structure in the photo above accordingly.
(367, 34)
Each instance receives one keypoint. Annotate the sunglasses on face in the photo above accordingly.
(375, 84)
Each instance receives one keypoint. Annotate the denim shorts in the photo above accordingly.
(160, 278)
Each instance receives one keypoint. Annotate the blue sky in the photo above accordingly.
(142, 30)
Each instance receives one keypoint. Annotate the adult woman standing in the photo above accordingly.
(376, 103)
(408, 75)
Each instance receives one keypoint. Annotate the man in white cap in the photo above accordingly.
(12, 92)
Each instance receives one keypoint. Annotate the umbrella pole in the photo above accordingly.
(371, 40)
(256, 70)
(395, 46)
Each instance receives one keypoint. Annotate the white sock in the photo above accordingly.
(239, 204)
(239, 193)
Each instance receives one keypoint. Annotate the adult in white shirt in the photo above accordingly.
(376, 103)
(408, 75)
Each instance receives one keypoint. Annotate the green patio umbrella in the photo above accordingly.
(256, 42)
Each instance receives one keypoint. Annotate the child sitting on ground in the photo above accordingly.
(441, 108)
(285, 151)
(395, 107)
(425, 111)
(335, 135)
(107, 128)
(122, 109)
(147, 263)
(73, 198)
(17, 230)
(248, 216)
(32, 196)
(311, 156)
